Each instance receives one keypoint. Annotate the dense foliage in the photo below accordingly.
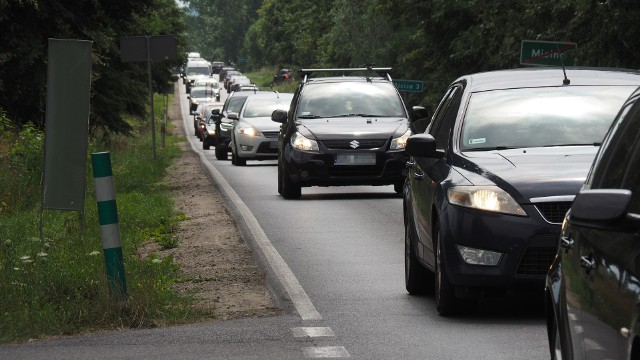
(434, 41)
(117, 88)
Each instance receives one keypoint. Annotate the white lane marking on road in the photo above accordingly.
(326, 352)
(298, 296)
(312, 331)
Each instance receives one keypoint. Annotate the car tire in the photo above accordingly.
(398, 187)
(221, 152)
(290, 190)
(236, 160)
(417, 279)
(447, 303)
(205, 144)
(279, 179)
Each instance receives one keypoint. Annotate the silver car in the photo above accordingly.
(254, 135)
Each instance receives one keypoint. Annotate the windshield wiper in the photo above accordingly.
(309, 117)
(587, 144)
(489, 148)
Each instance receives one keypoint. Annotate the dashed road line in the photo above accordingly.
(326, 352)
(312, 332)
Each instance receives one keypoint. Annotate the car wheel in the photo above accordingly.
(398, 186)
(221, 152)
(417, 279)
(290, 190)
(447, 303)
(205, 144)
(279, 179)
(236, 160)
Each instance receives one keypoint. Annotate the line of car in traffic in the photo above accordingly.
(500, 192)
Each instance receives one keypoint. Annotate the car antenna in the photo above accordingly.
(566, 80)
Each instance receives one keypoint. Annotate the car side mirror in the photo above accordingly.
(188, 96)
(600, 207)
(422, 145)
(279, 116)
(420, 113)
(232, 116)
(215, 112)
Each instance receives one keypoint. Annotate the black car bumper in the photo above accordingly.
(320, 169)
(528, 246)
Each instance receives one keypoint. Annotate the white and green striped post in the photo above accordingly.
(109, 227)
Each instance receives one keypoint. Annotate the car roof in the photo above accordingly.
(267, 95)
(342, 79)
(548, 76)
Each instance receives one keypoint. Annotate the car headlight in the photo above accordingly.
(211, 131)
(399, 143)
(488, 198)
(300, 142)
(247, 130)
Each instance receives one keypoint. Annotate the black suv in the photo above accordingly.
(343, 130)
(593, 286)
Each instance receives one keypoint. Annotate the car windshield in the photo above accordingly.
(198, 70)
(211, 84)
(264, 107)
(201, 93)
(345, 99)
(536, 117)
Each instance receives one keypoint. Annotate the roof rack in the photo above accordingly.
(382, 71)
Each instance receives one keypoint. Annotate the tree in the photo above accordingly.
(117, 88)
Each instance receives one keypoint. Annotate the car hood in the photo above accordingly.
(529, 173)
(352, 128)
(261, 123)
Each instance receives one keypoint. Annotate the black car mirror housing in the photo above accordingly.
(422, 145)
(420, 113)
(232, 116)
(279, 116)
(600, 207)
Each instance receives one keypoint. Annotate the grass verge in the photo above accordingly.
(57, 285)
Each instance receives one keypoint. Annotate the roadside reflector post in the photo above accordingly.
(109, 227)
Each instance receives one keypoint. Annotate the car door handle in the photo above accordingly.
(566, 243)
(410, 164)
(419, 176)
(587, 262)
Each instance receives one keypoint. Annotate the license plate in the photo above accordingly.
(355, 159)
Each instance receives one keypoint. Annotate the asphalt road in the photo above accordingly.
(334, 258)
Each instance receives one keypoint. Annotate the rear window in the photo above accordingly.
(535, 117)
(198, 70)
(350, 98)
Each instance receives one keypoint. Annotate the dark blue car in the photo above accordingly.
(493, 175)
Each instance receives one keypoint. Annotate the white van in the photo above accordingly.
(195, 69)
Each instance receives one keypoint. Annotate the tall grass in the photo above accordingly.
(264, 77)
(57, 284)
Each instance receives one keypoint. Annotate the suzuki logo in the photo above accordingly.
(354, 144)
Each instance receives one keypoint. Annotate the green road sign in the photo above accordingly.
(409, 85)
(535, 52)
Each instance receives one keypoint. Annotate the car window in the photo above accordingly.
(446, 117)
(609, 172)
(350, 98)
(535, 117)
(235, 103)
(264, 107)
(200, 93)
(197, 70)
(632, 178)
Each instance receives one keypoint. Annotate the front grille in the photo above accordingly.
(536, 262)
(363, 143)
(553, 212)
(270, 134)
(354, 171)
(265, 148)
